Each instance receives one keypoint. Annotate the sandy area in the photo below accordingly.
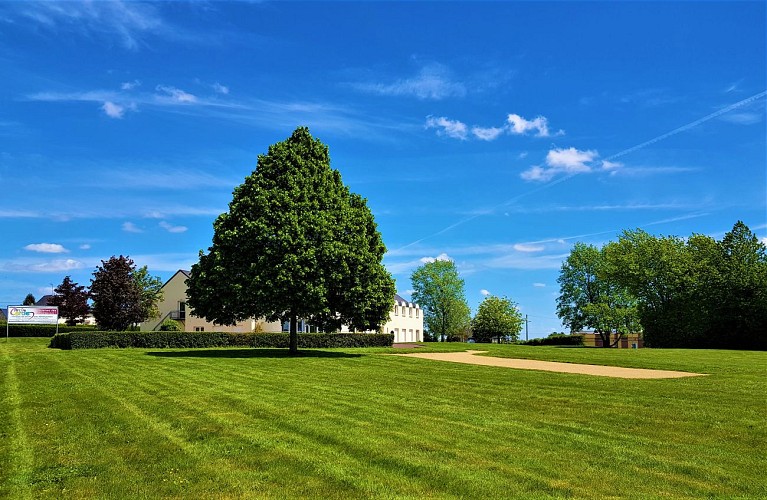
(469, 357)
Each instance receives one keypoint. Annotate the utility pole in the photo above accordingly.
(526, 339)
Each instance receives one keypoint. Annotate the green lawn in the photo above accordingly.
(232, 423)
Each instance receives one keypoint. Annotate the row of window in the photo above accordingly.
(406, 311)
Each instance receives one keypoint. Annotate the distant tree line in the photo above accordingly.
(694, 292)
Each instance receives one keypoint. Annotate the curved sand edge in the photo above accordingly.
(468, 357)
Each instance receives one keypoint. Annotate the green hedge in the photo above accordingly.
(154, 340)
(42, 330)
(556, 339)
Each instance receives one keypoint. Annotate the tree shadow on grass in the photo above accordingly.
(251, 353)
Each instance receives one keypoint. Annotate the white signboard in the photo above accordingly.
(33, 315)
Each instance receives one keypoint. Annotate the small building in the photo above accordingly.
(630, 341)
(405, 319)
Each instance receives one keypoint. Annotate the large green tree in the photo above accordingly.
(29, 300)
(72, 301)
(439, 290)
(295, 244)
(496, 317)
(122, 296)
(589, 298)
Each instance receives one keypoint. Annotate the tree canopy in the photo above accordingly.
(589, 298)
(496, 317)
(439, 290)
(29, 300)
(122, 296)
(682, 292)
(295, 244)
(72, 301)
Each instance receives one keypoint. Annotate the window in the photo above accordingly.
(410, 311)
(416, 312)
(396, 309)
(199, 328)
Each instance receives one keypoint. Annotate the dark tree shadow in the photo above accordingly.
(251, 353)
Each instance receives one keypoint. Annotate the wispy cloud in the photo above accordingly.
(220, 89)
(85, 246)
(450, 128)
(539, 285)
(51, 266)
(131, 23)
(130, 227)
(130, 85)
(528, 248)
(485, 292)
(433, 82)
(744, 118)
(175, 95)
(46, 248)
(171, 228)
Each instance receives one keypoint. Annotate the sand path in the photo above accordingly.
(468, 357)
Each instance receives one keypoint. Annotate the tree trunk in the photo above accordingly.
(605, 339)
(293, 335)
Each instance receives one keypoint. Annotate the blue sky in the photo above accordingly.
(495, 134)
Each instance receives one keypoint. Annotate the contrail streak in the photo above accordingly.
(612, 157)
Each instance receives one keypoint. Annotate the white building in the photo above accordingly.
(405, 318)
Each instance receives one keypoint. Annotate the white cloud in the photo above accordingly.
(522, 155)
(171, 228)
(52, 266)
(764, 240)
(130, 85)
(485, 292)
(519, 125)
(537, 173)
(432, 82)
(611, 165)
(85, 246)
(46, 248)
(539, 285)
(486, 134)
(113, 110)
(443, 257)
(570, 160)
(220, 89)
(130, 227)
(526, 247)
(175, 95)
(565, 161)
(451, 128)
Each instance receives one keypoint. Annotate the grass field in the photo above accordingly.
(232, 423)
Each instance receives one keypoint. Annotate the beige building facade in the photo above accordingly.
(405, 319)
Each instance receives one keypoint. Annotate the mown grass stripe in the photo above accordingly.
(20, 453)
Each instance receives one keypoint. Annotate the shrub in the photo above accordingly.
(556, 339)
(170, 325)
(162, 339)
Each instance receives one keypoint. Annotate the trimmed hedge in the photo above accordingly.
(42, 330)
(154, 340)
(556, 339)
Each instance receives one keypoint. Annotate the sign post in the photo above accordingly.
(32, 315)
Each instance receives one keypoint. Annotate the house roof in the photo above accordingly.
(45, 300)
(3, 314)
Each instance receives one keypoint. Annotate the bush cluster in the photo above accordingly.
(154, 340)
(42, 330)
(556, 339)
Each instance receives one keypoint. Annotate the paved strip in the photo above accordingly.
(468, 357)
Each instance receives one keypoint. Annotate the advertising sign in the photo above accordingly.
(33, 315)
